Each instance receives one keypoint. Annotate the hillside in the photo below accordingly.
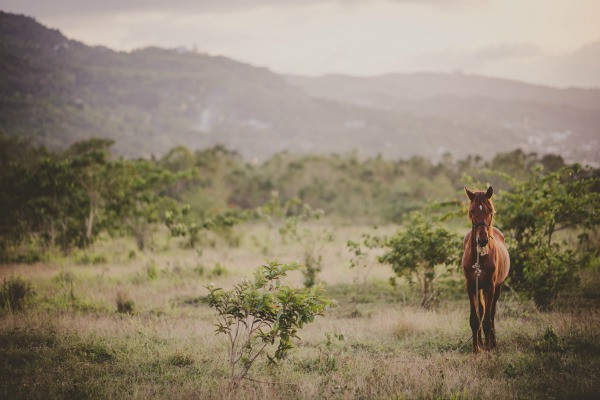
(56, 91)
(538, 118)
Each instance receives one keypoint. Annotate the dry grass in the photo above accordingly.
(80, 347)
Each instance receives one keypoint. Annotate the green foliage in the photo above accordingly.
(289, 217)
(549, 270)
(14, 293)
(362, 259)
(327, 360)
(86, 258)
(65, 199)
(218, 270)
(152, 270)
(181, 360)
(261, 312)
(287, 214)
(182, 224)
(66, 278)
(312, 266)
(419, 248)
(533, 212)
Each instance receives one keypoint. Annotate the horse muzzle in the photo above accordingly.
(482, 241)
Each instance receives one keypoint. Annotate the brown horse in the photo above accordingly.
(485, 264)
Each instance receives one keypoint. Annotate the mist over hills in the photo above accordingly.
(56, 91)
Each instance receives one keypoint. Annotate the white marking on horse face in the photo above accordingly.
(480, 207)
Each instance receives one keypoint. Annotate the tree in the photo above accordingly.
(138, 196)
(65, 199)
(41, 203)
(90, 158)
(418, 249)
(261, 312)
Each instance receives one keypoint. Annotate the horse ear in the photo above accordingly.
(489, 192)
(470, 194)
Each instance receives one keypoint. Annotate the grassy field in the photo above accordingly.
(71, 342)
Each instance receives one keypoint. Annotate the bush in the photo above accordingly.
(14, 293)
(548, 271)
(313, 264)
(415, 251)
(152, 270)
(66, 278)
(125, 304)
(258, 313)
(219, 270)
(181, 360)
(91, 259)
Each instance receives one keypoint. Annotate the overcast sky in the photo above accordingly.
(555, 42)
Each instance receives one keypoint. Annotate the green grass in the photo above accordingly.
(73, 343)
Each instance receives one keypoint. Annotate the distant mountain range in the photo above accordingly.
(55, 91)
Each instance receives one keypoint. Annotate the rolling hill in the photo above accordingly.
(55, 91)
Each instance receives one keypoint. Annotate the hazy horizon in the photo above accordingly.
(531, 41)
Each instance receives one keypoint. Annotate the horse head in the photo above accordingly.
(481, 215)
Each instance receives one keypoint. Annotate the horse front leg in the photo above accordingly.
(493, 316)
(489, 294)
(475, 321)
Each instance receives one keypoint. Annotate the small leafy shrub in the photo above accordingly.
(327, 354)
(96, 352)
(152, 270)
(416, 251)
(91, 259)
(511, 371)
(181, 360)
(547, 271)
(362, 261)
(261, 312)
(14, 293)
(199, 269)
(125, 304)
(66, 278)
(29, 251)
(219, 270)
(313, 264)
(327, 360)
(550, 342)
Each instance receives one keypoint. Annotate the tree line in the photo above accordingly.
(61, 200)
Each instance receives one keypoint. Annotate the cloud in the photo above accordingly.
(521, 39)
(581, 67)
(56, 8)
(506, 50)
(481, 58)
